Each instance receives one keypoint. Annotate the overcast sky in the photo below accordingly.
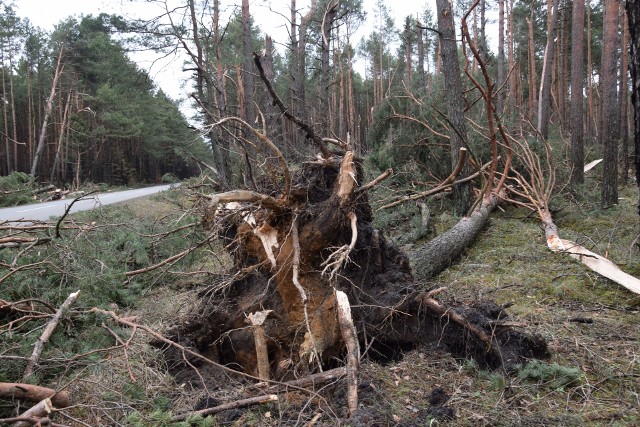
(47, 13)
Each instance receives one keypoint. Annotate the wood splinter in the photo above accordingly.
(350, 338)
(256, 320)
(38, 411)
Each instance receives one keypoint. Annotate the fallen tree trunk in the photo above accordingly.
(34, 393)
(438, 253)
(267, 398)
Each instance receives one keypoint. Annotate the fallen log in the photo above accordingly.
(34, 393)
(313, 380)
(438, 253)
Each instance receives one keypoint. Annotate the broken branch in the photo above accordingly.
(267, 398)
(34, 393)
(384, 175)
(302, 125)
(46, 335)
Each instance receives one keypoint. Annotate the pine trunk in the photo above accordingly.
(533, 89)
(462, 195)
(544, 98)
(247, 72)
(500, 78)
(577, 84)
(624, 95)
(609, 118)
(633, 16)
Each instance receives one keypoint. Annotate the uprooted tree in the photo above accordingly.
(300, 244)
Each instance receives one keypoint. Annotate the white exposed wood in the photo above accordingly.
(602, 266)
(269, 238)
(40, 410)
(591, 165)
(257, 320)
(350, 338)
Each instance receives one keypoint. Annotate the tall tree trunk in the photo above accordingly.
(247, 72)
(325, 75)
(462, 194)
(609, 118)
(544, 98)
(532, 71)
(342, 89)
(624, 95)
(300, 79)
(421, 57)
(5, 117)
(577, 98)
(30, 118)
(205, 89)
(408, 42)
(592, 128)
(14, 122)
(511, 60)
(500, 80)
(633, 16)
(483, 45)
(47, 113)
(293, 70)
(271, 112)
(351, 108)
(57, 160)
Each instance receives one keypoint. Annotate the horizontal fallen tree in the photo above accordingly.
(34, 393)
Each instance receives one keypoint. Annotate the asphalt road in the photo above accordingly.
(43, 211)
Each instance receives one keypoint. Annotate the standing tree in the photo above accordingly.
(633, 15)
(462, 195)
(500, 78)
(577, 98)
(609, 118)
(544, 99)
(247, 73)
